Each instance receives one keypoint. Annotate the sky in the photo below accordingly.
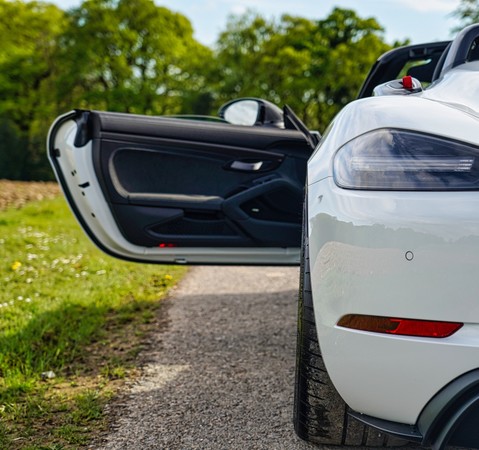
(418, 20)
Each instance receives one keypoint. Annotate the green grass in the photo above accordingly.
(66, 308)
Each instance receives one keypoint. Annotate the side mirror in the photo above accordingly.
(252, 111)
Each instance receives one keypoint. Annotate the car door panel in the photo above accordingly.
(180, 184)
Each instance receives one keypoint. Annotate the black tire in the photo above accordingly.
(320, 414)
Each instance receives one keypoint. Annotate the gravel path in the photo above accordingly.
(221, 374)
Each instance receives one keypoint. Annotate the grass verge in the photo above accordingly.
(72, 319)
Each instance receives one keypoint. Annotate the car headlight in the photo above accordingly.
(390, 159)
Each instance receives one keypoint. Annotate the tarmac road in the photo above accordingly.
(220, 374)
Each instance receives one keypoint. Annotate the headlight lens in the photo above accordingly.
(391, 159)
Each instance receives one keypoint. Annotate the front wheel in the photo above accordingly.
(320, 414)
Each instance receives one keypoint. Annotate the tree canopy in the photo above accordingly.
(29, 33)
(134, 56)
(467, 12)
(129, 55)
(314, 66)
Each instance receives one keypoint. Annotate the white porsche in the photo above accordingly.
(388, 322)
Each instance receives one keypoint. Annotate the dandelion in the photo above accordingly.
(16, 265)
(168, 277)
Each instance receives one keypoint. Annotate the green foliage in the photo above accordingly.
(130, 56)
(13, 150)
(467, 12)
(314, 66)
(28, 32)
(66, 309)
(121, 55)
(57, 290)
(134, 56)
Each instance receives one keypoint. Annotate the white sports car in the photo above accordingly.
(390, 235)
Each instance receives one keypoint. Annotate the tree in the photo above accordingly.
(134, 56)
(314, 66)
(13, 150)
(240, 54)
(131, 56)
(354, 44)
(28, 32)
(467, 12)
(123, 55)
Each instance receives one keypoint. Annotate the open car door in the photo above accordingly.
(170, 190)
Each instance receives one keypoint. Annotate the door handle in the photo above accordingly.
(246, 166)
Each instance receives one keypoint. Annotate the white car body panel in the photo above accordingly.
(358, 243)
(359, 266)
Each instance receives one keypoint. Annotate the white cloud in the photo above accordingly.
(239, 9)
(446, 6)
(272, 5)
